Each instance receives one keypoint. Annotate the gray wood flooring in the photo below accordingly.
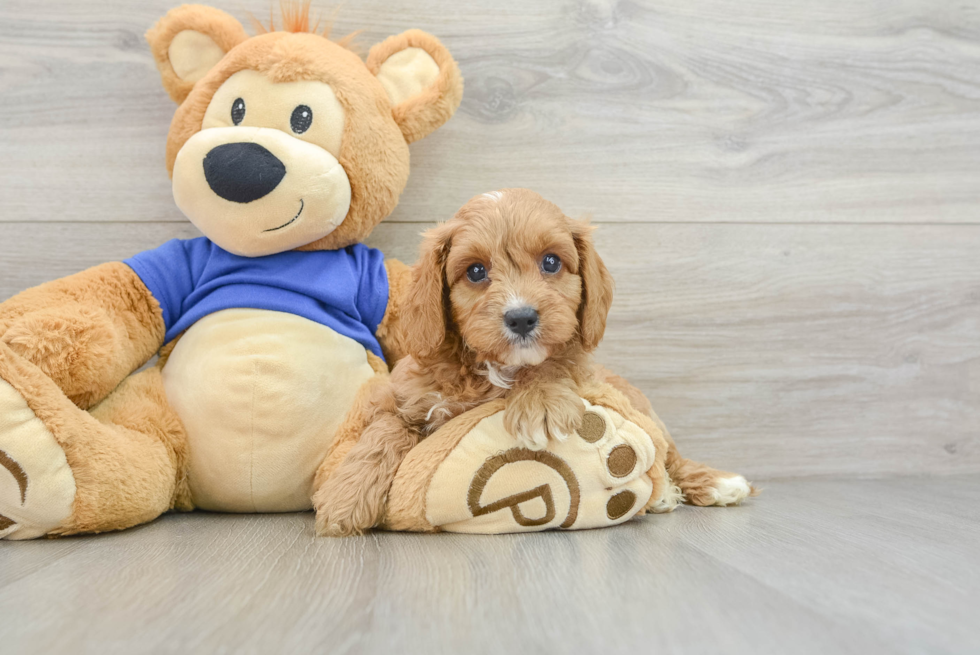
(812, 566)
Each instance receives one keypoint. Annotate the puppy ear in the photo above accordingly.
(597, 287)
(426, 307)
(421, 78)
(188, 42)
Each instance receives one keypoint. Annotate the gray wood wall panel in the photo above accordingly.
(790, 193)
(774, 350)
(658, 110)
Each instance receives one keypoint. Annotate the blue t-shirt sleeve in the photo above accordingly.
(171, 272)
(372, 289)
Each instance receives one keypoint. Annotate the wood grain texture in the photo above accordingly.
(789, 191)
(823, 566)
(666, 110)
(771, 350)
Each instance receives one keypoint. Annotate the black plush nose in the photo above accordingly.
(242, 172)
(521, 321)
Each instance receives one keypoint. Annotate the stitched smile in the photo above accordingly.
(291, 221)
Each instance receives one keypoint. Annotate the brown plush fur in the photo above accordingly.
(374, 150)
(125, 455)
(390, 333)
(72, 344)
(418, 116)
(222, 28)
(455, 330)
(87, 331)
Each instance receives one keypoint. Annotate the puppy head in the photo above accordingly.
(511, 277)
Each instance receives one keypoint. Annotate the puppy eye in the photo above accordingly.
(301, 119)
(237, 111)
(476, 273)
(551, 264)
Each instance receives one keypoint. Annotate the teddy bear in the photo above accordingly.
(285, 151)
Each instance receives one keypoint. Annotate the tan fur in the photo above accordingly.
(69, 345)
(390, 334)
(453, 329)
(405, 509)
(351, 499)
(348, 433)
(87, 331)
(374, 150)
(418, 116)
(224, 30)
(125, 456)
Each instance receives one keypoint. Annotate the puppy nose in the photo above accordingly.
(521, 321)
(242, 172)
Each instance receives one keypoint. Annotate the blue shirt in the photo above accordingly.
(346, 290)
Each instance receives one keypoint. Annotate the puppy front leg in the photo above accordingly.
(352, 500)
(539, 410)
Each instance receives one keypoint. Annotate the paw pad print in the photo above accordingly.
(593, 479)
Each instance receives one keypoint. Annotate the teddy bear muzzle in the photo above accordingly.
(256, 191)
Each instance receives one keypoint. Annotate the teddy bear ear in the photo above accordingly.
(421, 78)
(188, 42)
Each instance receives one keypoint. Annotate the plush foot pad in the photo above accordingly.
(486, 484)
(37, 487)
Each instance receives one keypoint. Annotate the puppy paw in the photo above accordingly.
(333, 527)
(334, 521)
(730, 491)
(344, 510)
(709, 487)
(548, 412)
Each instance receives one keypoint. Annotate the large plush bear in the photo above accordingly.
(286, 150)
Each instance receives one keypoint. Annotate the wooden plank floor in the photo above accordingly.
(812, 566)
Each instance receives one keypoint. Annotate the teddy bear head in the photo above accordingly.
(288, 140)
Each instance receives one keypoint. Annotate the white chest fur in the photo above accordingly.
(261, 394)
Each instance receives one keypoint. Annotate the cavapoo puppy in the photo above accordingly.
(509, 298)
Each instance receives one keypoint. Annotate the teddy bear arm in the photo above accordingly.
(390, 332)
(87, 331)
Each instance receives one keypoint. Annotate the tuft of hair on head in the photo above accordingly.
(297, 19)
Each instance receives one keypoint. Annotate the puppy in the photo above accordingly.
(509, 297)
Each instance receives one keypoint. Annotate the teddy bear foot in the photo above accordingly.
(599, 477)
(37, 488)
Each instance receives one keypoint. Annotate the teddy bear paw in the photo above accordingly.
(37, 488)
(595, 478)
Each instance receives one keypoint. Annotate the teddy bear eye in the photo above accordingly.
(301, 119)
(476, 273)
(237, 111)
(551, 264)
